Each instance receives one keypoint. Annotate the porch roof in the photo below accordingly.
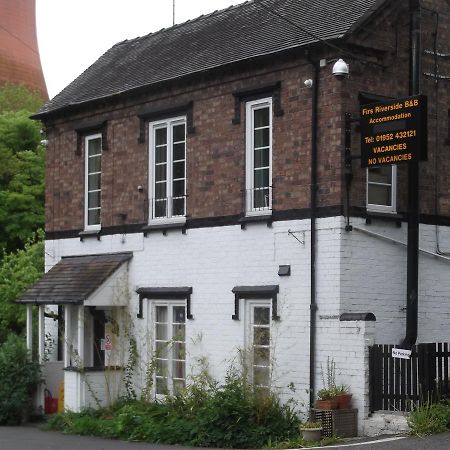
(73, 279)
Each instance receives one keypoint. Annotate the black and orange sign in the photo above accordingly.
(394, 131)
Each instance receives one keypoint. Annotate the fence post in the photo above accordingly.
(427, 371)
(375, 378)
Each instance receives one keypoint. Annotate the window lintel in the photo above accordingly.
(256, 292)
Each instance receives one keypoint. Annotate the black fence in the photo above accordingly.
(397, 384)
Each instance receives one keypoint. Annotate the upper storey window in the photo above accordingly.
(167, 187)
(93, 173)
(258, 198)
(381, 188)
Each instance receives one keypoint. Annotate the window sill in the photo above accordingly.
(165, 225)
(92, 369)
(256, 217)
(89, 234)
(387, 216)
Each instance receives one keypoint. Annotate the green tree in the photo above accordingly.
(18, 270)
(21, 168)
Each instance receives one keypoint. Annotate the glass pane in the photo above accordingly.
(161, 367)
(94, 199)
(178, 386)
(379, 195)
(178, 369)
(161, 314)
(179, 315)
(160, 155)
(262, 315)
(161, 332)
(178, 188)
(261, 178)
(178, 151)
(179, 332)
(161, 208)
(261, 376)
(261, 117)
(179, 350)
(160, 136)
(261, 356)
(261, 336)
(261, 198)
(161, 349)
(178, 207)
(178, 170)
(380, 174)
(93, 182)
(95, 146)
(160, 190)
(94, 217)
(160, 172)
(262, 158)
(261, 138)
(161, 386)
(94, 164)
(179, 133)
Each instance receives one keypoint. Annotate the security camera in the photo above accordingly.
(340, 69)
(308, 83)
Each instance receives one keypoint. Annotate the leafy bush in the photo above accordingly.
(429, 419)
(19, 377)
(234, 415)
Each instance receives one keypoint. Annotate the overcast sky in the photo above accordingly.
(72, 34)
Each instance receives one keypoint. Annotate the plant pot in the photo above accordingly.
(311, 434)
(344, 401)
(327, 404)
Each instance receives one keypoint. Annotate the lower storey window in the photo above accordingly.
(260, 337)
(170, 347)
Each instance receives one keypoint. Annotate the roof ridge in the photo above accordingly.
(186, 22)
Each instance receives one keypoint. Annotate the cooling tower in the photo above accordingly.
(19, 55)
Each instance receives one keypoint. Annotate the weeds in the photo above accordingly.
(429, 419)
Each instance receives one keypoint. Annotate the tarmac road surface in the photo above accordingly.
(31, 437)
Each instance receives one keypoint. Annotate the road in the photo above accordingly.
(31, 437)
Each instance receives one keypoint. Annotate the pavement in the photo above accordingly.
(31, 437)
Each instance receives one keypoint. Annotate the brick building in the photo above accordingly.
(197, 201)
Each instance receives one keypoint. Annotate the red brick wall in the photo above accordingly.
(216, 151)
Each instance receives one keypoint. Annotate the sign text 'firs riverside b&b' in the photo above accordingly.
(394, 131)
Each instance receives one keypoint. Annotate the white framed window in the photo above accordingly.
(258, 185)
(93, 175)
(167, 186)
(382, 189)
(259, 331)
(169, 331)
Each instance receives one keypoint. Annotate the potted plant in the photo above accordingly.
(343, 396)
(311, 431)
(326, 399)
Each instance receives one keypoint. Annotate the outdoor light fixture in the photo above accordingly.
(340, 69)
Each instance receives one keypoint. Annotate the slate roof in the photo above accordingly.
(240, 32)
(72, 280)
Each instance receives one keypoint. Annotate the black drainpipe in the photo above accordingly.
(412, 294)
(313, 205)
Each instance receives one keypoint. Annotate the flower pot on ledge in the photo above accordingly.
(344, 401)
(327, 404)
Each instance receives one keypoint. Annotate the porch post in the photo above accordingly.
(81, 335)
(67, 335)
(30, 329)
(41, 334)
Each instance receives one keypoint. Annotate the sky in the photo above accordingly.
(72, 34)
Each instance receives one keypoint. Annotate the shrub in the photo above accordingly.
(19, 378)
(232, 415)
(429, 419)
